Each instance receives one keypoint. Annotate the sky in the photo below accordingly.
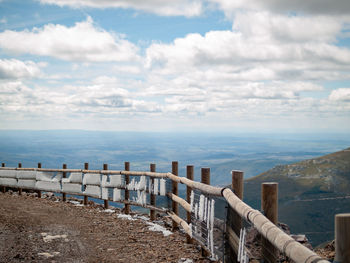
(177, 65)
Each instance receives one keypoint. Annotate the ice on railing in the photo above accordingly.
(116, 194)
(23, 183)
(92, 179)
(8, 173)
(48, 177)
(46, 182)
(155, 186)
(93, 190)
(76, 178)
(31, 175)
(141, 185)
(131, 185)
(114, 181)
(162, 190)
(141, 198)
(137, 185)
(71, 188)
(11, 182)
(104, 192)
(203, 212)
(48, 186)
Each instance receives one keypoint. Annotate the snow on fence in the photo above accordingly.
(110, 185)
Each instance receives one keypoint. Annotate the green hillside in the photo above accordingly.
(311, 192)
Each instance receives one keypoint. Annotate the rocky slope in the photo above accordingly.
(311, 192)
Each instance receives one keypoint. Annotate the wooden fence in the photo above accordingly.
(274, 239)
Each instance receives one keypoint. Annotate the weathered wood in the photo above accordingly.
(205, 179)
(175, 191)
(269, 205)
(342, 238)
(106, 205)
(180, 201)
(86, 198)
(283, 242)
(190, 176)
(207, 189)
(181, 222)
(39, 192)
(233, 219)
(64, 175)
(19, 189)
(4, 187)
(152, 196)
(237, 187)
(233, 239)
(127, 181)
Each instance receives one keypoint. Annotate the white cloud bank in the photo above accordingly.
(81, 42)
(186, 8)
(16, 69)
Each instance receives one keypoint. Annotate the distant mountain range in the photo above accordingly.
(311, 192)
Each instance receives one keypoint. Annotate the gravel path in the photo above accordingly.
(48, 230)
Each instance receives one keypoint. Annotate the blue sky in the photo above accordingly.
(179, 65)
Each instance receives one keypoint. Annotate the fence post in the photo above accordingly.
(4, 187)
(152, 196)
(106, 206)
(86, 198)
(64, 175)
(39, 192)
(19, 189)
(189, 175)
(127, 181)
(269, 205)
(342, 238)
(205, 179)
(175, 191)
(233, 220)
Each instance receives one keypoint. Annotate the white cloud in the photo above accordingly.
(337, 7)
(342, 94)
(81, 42)
(15, 69)
(165, 8)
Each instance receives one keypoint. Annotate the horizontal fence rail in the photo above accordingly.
(280, 240)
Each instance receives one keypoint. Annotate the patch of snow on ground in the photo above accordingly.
(185, 260)
(126, 217)
(49, 238)
(48, 255)
(158, 228)
(108, 211)
(76, 203)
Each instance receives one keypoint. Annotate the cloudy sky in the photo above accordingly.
(176, 65)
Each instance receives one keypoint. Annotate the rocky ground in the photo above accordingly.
(49, 230)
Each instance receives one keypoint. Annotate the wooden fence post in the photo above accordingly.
(86, 198)
(205, 179)
(189, 175)
(64, 175)
(175, 191)
(39, 192)
(342, 238)
(4, 187)
(152, 196)
(127, 181)
(19, 189)
(269, 205)
(233, 220)
(106, 206)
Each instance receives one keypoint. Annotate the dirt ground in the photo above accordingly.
(48, 230)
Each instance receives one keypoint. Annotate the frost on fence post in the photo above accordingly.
(242, 252)
(162, 190)
(202, 223)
